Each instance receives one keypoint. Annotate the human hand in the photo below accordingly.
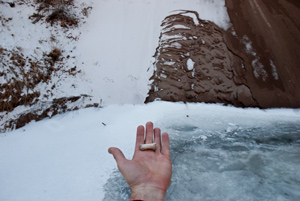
(149, 172)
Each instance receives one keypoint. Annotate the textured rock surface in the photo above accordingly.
(272, 28)
(193, 64)
(253, 64)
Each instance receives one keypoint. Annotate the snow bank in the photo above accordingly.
(112, 46)
(65, 158)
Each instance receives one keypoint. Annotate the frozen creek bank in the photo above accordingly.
(217, 152)
(228, 154)
(103, 57)
(57, 66)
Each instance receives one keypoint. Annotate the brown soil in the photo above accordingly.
(55, 11)
(24, 77)
(44, 110)
(253, 64)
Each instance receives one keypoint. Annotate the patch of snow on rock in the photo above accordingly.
(190, 64)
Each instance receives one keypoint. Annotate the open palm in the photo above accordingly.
(149, 172)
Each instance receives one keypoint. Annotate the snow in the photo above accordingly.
(113, 47)
(170, 63)
(120, 39)
(258, 68)
(190, 64)
(14, 34)
(169, 37)
(274, 70)
(65, 157)
(179, 26)
(163, 75)
(20, 38)
(196, 21)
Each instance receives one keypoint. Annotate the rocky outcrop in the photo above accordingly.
(255, 63)
(270, 30)
(194, 64)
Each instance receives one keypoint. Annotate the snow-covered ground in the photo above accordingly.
(65, 157)
(120, 38)
(112, 48)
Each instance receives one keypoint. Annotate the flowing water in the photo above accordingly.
(249, 162)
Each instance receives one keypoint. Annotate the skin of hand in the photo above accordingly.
(149, 172)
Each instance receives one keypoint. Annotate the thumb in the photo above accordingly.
(118, 155)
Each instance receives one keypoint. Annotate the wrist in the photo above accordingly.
(147, 193)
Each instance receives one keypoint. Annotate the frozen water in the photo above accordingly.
(218, 153)
(232, 162)
(254, 163)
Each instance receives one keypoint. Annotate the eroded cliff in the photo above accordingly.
(194, 64)
(255, 63)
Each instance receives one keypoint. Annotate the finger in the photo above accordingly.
(139, 138)
(165, 144)
(118, 155)
(157, 140)
(149, 133)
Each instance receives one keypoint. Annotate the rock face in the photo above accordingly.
(272, 28)
(253, 64)
(193, 64)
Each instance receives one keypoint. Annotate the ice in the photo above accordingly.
(249, 158)
(217, 152)
(243, 169)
